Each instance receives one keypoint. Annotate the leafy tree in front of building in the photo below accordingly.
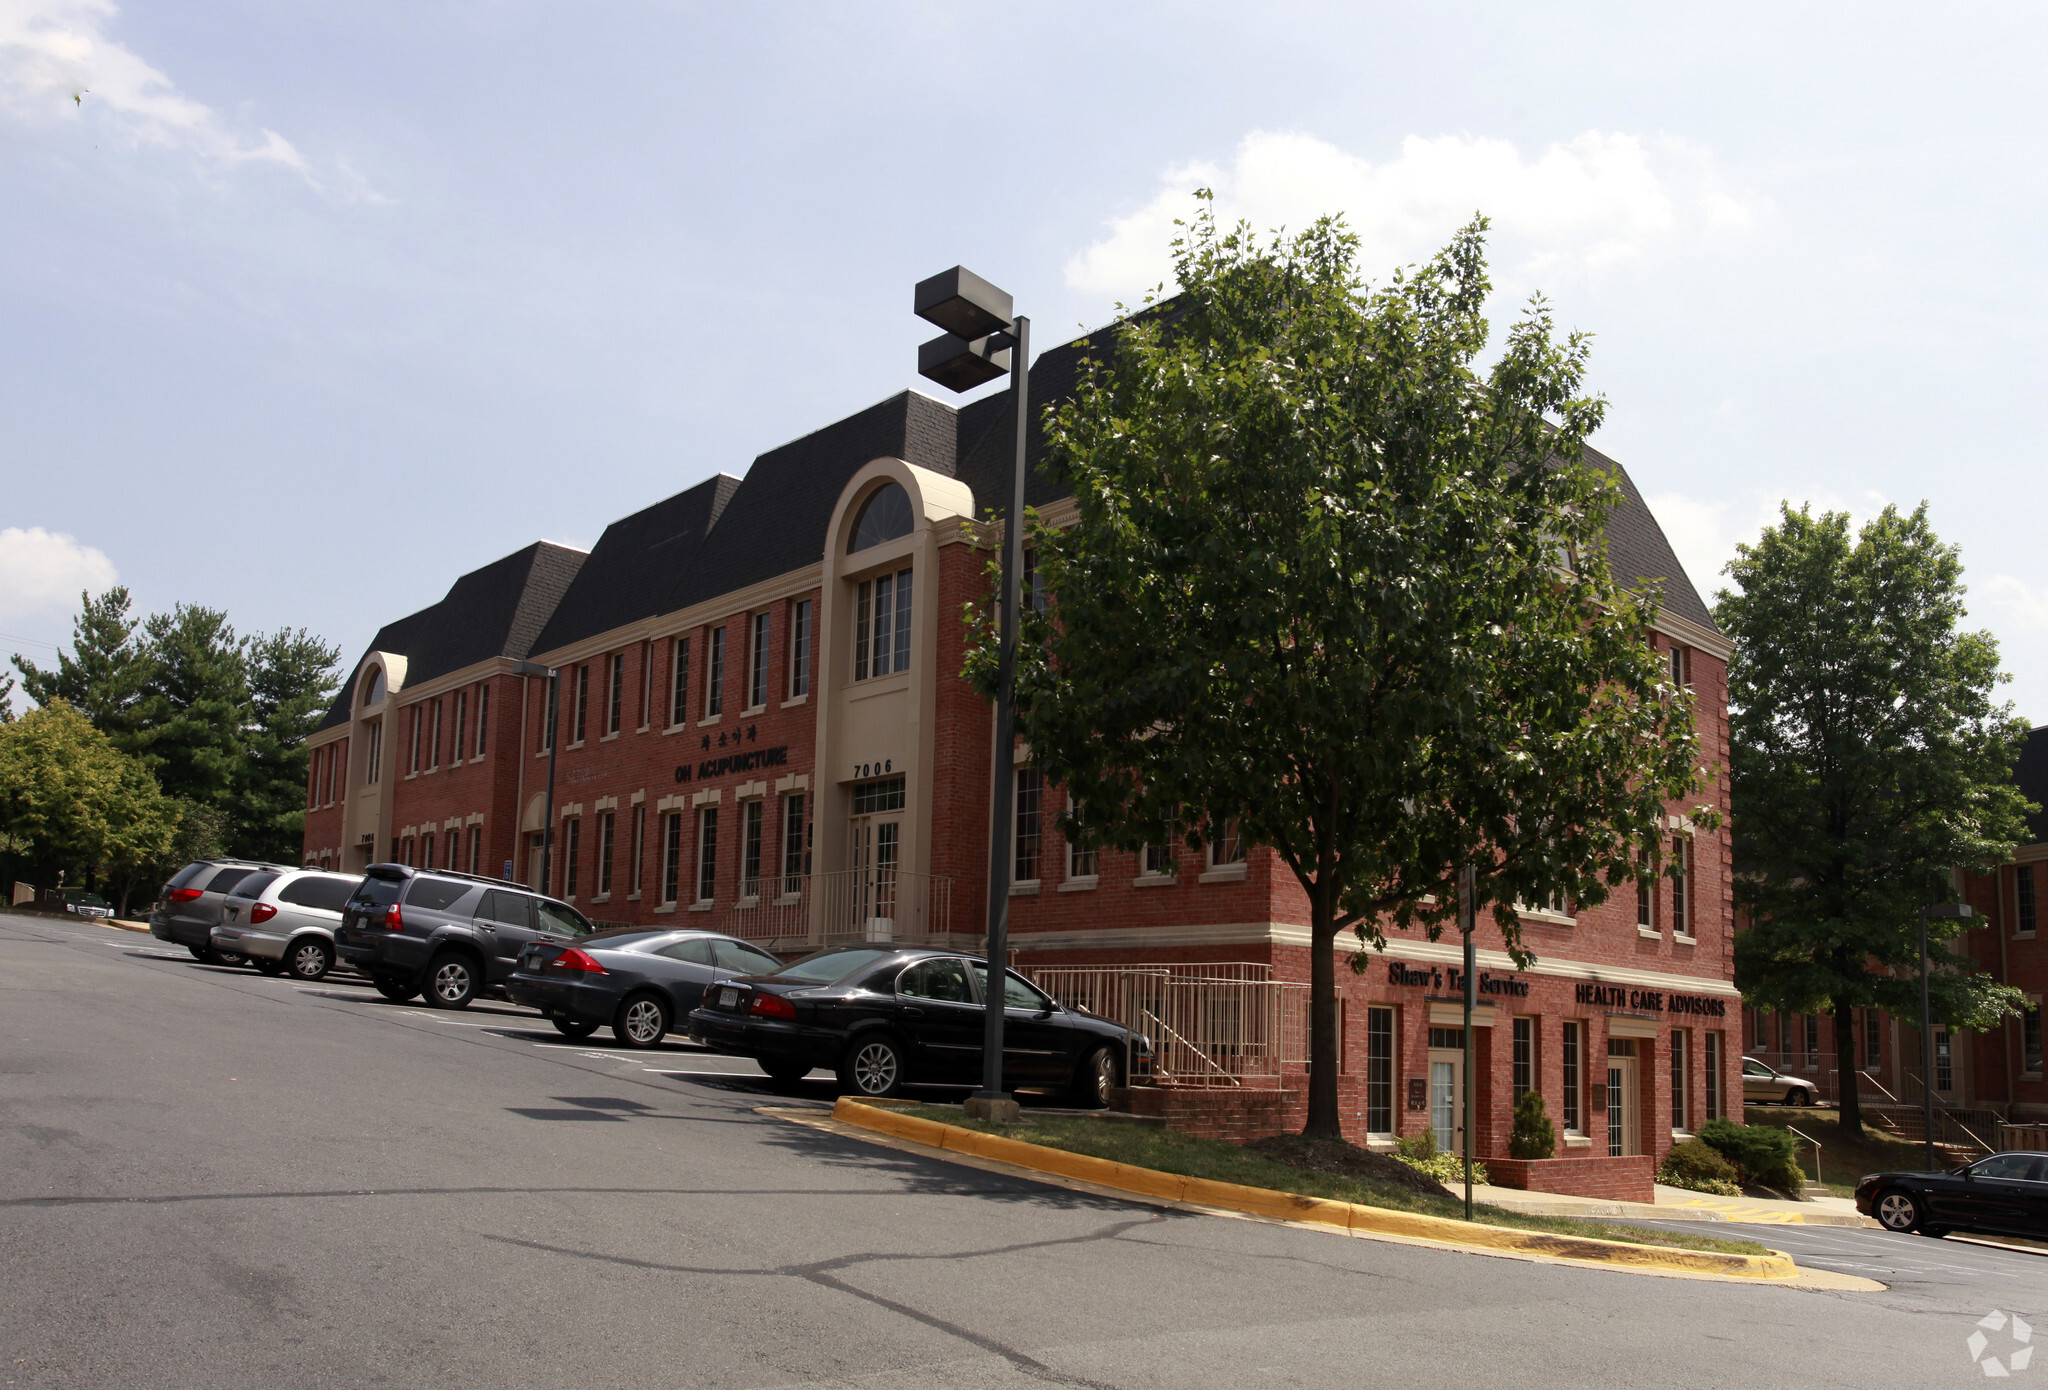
(1330, 580)
(1869, 763)
(70, 801)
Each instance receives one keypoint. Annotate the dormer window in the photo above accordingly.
(373, 686)
(884, 516)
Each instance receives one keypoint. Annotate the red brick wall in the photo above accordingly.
(1630, 1179)
(1238, 1116)
(324, 800)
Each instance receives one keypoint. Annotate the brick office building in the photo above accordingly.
(761, 728)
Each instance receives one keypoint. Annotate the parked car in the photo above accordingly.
(285, 922)
(882, 1016)
(639, 981)
(189, 907)
(1763, 1084)
(2005, 1194)
(78, 903)
(445, 935)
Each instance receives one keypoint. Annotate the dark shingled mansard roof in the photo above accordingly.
(726, 533)
(495, 611)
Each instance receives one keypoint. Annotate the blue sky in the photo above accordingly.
(309, 309)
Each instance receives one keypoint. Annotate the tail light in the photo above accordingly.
(393, 920)
(573, 959)
(262, 912)
(772, 1006)
(184, 895)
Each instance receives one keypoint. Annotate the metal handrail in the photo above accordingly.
(1818, 1173)
(1866, 1076)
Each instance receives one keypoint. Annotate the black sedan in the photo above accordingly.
(636, 980)
(2005, 1194)
(881, 1016)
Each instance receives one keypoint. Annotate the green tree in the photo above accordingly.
(70, 800)
(104, 673)
(1868, 764)
(199, 831)
(292, 679)
(1331, 581)
(6, 698)
(195, 706)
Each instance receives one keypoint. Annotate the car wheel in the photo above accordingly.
(784, 1073)
(642, 1021)
(451, 982)
(872, 1067)
(229, 958)
(1798, 1096)
(267, 967)
(1898, 1210)
(310, 959)
(394, 987)
(1093, 1080)
(201, 952)
(573, 1027)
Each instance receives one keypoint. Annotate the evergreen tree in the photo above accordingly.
(103, 675)
(194, 708)
(292, 678)
(1869, 763)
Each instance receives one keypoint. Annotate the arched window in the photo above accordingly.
(883, 517)
(373, 685)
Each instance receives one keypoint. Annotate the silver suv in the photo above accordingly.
(189, 908)
(285, 922)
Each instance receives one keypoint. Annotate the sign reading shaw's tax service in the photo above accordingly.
(1400, 973)
(1655, 1000)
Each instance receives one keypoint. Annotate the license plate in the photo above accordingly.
(728, 997)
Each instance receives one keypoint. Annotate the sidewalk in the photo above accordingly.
(1677, 1204)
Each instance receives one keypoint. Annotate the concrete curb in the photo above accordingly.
(1287, 1206)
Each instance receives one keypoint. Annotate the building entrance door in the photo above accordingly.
(1447, 1091)
(533, 857)
(873, 844)
(1624, 1118)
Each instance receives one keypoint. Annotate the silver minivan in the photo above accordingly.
(284, 922)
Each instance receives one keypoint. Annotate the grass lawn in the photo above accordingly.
(1844, 1157)
(1168, 1152)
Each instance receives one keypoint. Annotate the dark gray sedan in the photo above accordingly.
(640, 981)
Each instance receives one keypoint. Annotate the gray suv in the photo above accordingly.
(189, 908)
(284, 923)
(444, 935)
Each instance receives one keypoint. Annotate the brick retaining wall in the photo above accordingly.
(1630, 1178)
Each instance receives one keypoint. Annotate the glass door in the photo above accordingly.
(1624, 1124)
(1447, 1097)
(872, 845)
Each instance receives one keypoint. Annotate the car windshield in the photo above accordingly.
(560, 920)
(829, 967)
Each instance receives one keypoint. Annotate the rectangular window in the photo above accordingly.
(639, 846)
(1944, 1062)
(1681, 885)
(2030, 1037)
(434, 751)
(647, 684)
(1379, 1071)
(793, 844)
(2023, 889)
(757, 664)
(1157, 859)
(373, 754)
(1813, 1035)
(881, 626)
(679, 684)
(1083, 860)
(707, 854)
(750, 849)
(672, 856)
(1226, 847)
(1681, 1078)
(1024, 832)
(1713, 1060)
(714, 675)
(461, 726)
(1873, 1038)
(800, 648)
(416, 722)
(1524, 1078)
(605, 831)
(1570, 1053)
(483, 715)
(551, 716)
(1646, 891)
(572, 853)
(615, 715)
(427, 850)
(582, 701)
(872, 798)
(1681, 666)
(476, 849)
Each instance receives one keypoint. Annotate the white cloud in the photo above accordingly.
(57, 63)
(2024, 605)
(1600, 200)
(43, 572)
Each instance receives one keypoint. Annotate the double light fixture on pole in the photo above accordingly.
(983, 340)
(1947, 912)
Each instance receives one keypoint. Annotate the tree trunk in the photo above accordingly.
(1851, 1112)
(1323, 1120)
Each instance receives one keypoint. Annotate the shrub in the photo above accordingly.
(1532, 1136)
(1698, 1167)
(1761, 1154)
(1420, 1152)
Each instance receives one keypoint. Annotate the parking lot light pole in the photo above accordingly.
(1947, 912)
(552, 713)
(1468, 892)
(983, 339)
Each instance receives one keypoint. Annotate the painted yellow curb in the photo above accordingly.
(1287, 1206)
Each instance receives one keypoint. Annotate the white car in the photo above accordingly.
(284, 921)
